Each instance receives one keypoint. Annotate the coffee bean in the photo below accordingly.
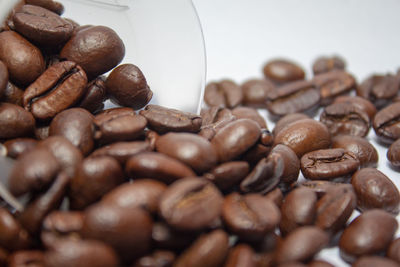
(250, 216)
(358, 102)
(42, 26)
(191, 204)
(322, 187)
(325, 64)
(255, 93)
(291, 164)
(228, 174)
(320, 263)
(249, 113)
(165, 237)
(15, 121)
(393, 252)
(13, 94)
(3, 78)
(26, 258)
(13, 235)
(24, 61)
(208, 250)
(93, 99)
(214, 119)
(286, 120)
(163, 120)
(223, 94)
(360, 147)
(97, 49)
(375, 190)
(393, 154)
(19, 146)
(160, 258)
(241, 255)
(282, 71)
(122, 151)
(51, 5)
(372, 261)
(329, 164)
(370, 233)
(386, 123)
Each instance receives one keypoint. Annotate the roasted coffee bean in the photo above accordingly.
(379, 89)
(15, 121)
(118, 124)
(122, 151)
(335, 208)
(26, 258)
(208, 250)
(191, 204)
(223, 94)
(286, 120)
(12, 235)
(80, 253)
(319, 263)
(291, 163)
(51, 5)
(301, 245)
(360, 147)
(250, 216)
(241, 255)
(3, 78)
(326, 64)
(393, 154)
(304, 136)
(157, 166)
(38, 208)
(19, 146)
(235, 138)
(127, 86)
(94, 178)
(24, 61)
(329, 164)
(228, 174)
(42, 26)
(255, 93)
(345, 118)
(375, 190)
(75, 124)
(165, 237)
(332, 84)
(13, 94)
(321, 187)
(93, 99)
(191, 149)
(299, 96)
(249, 113)
(275, 196)
(121, 228)
(58, 88)
(393, 252)
(386, 123)
(215, 119)
(358, 102)
(163, 120)
(160, 258)
(372, 261)
(142, 193)
(33, 171)
(283, 71)
(370, 233)
(298, 209)
(97, 49)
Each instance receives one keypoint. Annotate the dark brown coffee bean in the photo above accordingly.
(13, 94)
(345, 118)
(142, 193)
(94, 178)
(290, 164)
(299, 96)
(3, 78)
(24, 61)
(321, 187)
(191, 149)
(249, 113)
(375, 190)
(332, 84)
(75, 124)
(51, 5)
(157, 166)
(97, 49)
(58, 88)
(372, 261)
(223, 94)
(19, 146)
(358, 102)
(393, 154)
(165, 237)
(329, 164)
(379, 228)
(301, 245)
(320, 263)
(241, 255)
(191, 204)
(208, 250)
(250, 216)
(163, 120)
(364, 151)
(215, 119)
(235, 138)
(304, 136)
(26, 258)
(12, 235)
(15, 121)
(282, 71)
(159, 258)
(386, 123)
(228, 174)
(122, 151)
(326, 64)
(42, 26)
(379, 89)
(298, 209)
(80, 253)
(93, 99)
(33, 171)
(38, 208)
(255, 93)
(286, 120)
(121, 228)
(127, 86)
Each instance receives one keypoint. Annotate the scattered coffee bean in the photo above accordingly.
(372, 261)
(325, 64)
(358, 102)
(51, 5)
(223, 94)
(282, 71)
(255, 93)
(15, 121)
(386, 123)
(19, 146)
(333, 83)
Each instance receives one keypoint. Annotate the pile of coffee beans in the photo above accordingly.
(160, 187)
